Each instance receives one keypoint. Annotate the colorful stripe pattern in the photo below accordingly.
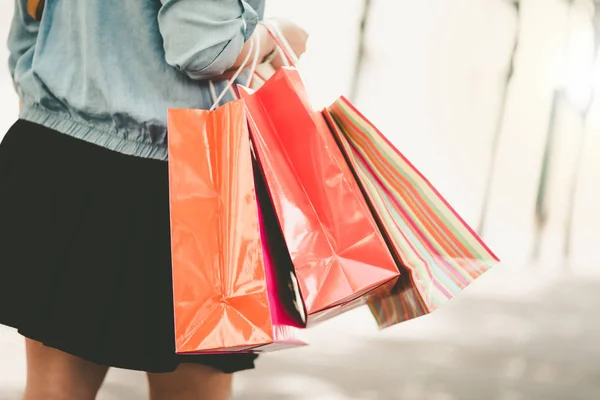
(438, 252)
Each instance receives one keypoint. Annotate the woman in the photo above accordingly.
(84, 213)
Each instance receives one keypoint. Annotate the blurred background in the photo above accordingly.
(495, 101)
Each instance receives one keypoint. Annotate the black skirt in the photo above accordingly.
(85, 257)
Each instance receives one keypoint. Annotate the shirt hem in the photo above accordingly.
(65, 124)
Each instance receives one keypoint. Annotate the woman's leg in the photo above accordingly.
(54, 375)
(190, 382)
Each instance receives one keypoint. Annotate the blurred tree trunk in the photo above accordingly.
(541, 202)
(582, 141)
(559, 99)
(541, 207)
(362, 48)
(500, 121)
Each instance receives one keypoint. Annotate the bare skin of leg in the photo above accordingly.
(54, 375)
(190, 382)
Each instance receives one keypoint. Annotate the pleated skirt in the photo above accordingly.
(85, 260)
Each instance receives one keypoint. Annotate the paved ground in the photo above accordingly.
(538, 346)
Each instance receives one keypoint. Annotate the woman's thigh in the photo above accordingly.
(191, 382)
(55, 375)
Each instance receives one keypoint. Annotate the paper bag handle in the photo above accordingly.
(254, 53)
(282, 46)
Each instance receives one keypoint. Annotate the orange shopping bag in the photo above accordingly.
(339, 254)
(234, 289)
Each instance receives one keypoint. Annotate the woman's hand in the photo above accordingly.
(294, 35)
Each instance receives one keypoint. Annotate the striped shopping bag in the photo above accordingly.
(439, 254)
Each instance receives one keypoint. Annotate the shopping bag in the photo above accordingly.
(234, 290)
(439, 254)
(339, 254)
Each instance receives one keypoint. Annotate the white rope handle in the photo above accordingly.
(254, 53)
(287, 53)
(254, 65)
(229, 85)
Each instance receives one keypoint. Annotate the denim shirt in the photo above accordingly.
(106, 71)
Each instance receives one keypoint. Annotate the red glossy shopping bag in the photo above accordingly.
(234, 289)
(339, 254)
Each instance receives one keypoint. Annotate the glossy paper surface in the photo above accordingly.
(439, 252)
(336, 247)
(221, 295)
(285, 300)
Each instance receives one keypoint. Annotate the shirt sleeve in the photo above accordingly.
(203, 38)
(22, 35)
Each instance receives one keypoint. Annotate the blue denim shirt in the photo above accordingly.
(106, 71)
